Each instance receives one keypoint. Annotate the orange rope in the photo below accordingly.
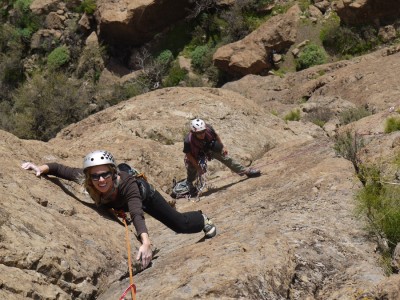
(121, 214)
(128, 246)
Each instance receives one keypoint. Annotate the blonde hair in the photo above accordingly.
(93, 192)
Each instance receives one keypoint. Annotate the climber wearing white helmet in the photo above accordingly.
(203, 140)
(113, 188)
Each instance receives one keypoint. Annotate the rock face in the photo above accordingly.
(363, 81)
(121, 22)
(251, 55)
(136, 22)
(361, 12)
(290, 233)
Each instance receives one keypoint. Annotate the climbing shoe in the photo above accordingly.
(183, 189)
(250, 172)
(209, 228)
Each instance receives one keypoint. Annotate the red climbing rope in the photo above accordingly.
(132, 286)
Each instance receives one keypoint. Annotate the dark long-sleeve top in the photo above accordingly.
(128, 196)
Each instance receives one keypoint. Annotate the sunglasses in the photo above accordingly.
(105, 175)
(200, 132)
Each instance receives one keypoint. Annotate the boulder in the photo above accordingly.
(396, 259)
(90, 62)
(136, 22)
(54, 21)
(362, 12)
(251, 55)
(45, 37)
(322, 5)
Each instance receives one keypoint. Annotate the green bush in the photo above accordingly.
(24, 19)
(293, 115)
(202, 63)
(120, 93)
(87, 6)
(6, 120)
(349, 41)
(199, 56)
(252, 21)
(381, 204)
(347, 145)
(174, 76)
(58, 57)
(304, 4)
(311, 55)
(11, 69)
(12, 50)
(165, 57)
(353, 114)
(46, 104)
(392, 124)
(236, 23)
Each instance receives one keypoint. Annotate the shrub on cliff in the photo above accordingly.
(380, 203)
(23, 19)
(348, 144)
(175, 76)
(58, 57)
(392, 124)
(342, 40)
(311, 55)
(293, 115)
(199, 57)
(46, 104)
(87, 6)
(353, 114)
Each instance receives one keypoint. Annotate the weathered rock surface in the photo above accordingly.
(358, 12)
(363, 81)
(251, 54)
(136, 22)
(289, 234)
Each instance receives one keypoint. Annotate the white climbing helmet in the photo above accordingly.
(197, 125)
(97, 158)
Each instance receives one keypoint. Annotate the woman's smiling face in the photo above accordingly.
(101, 177)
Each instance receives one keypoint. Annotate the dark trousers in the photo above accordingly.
(188, 222)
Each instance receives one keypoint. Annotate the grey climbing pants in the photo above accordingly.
(226, 160)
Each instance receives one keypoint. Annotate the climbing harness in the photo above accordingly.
(183, 189)
(132, 287)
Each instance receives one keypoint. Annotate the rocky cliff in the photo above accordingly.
(289, 234)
